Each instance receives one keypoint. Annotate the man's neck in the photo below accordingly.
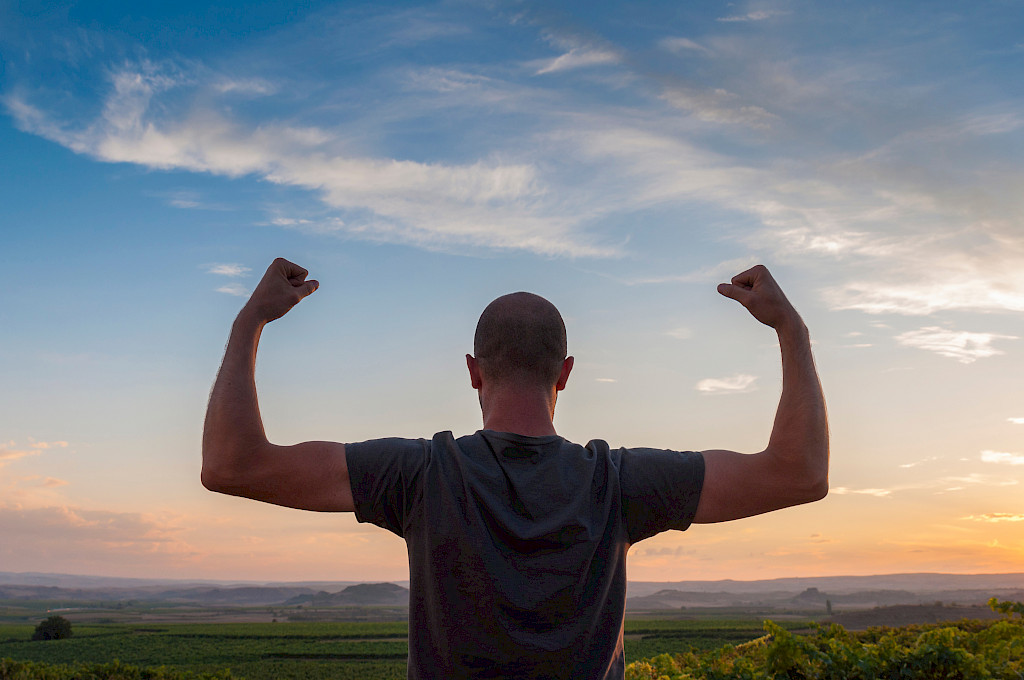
(519, 411)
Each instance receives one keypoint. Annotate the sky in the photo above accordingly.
(420, 159)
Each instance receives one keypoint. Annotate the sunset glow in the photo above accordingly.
(422, 159)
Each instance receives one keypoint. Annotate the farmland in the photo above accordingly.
(300, 650)
(673, 648)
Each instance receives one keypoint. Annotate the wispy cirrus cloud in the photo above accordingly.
(1002, 458)
(236, 289)
(877, 493)
(939, 486)
(678, 44)
(757, 15)
(734, 384)
(996, 517)
(580, 57)
(486, 204)
(717, 106)
(1016, 421)
(945, 290)
(11, 451)
(923, 461)
(966, 347)
(851, 203)
(245, 86)
(228, 269)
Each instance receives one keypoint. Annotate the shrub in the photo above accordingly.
(53, 628)
(962, 650)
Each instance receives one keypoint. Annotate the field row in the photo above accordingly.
(285, 651)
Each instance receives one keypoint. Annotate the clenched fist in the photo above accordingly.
(756, 290)
(280, 289)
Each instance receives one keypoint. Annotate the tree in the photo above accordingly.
(53, 628)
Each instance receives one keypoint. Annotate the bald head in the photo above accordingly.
(520, 337)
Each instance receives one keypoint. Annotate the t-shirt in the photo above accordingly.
(517, 545)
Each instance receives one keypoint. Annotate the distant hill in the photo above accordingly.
(365, 594)
(845, 593)
(814, 598)
(916, 583)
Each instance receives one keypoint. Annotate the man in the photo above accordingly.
(517, 539)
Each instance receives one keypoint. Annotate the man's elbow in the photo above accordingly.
(218, 474)
(814, 486)
(818, 491)
(212, 480)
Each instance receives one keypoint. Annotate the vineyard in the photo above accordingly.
(658, 649)
(286, 651)
(964, 650)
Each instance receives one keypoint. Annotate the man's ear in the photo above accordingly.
(474, 371)
(563, 377)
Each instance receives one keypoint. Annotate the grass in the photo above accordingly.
(311, 651)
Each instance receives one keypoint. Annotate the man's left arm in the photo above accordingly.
(237, 457)
(793, 468)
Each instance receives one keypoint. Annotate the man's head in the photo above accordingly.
(520, 338)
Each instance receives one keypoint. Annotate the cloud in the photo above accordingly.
(994, 517)
(487, 204)
(735, 384)
(975, 291)
(679, 44)
(73, 532)
(48, 445)
(717, 106)
(884, 209)
(228, 269)
(578, 58)
(256, 86)
(8, 452)
(235, 289)
(680, 333)
(53, 482)
(976, 478)
(920, 462)
(605, 380)
(965, 347)
(1002, 458)
(1016, 421)
(760, 15)
(877, 493)
(939, 485)
(183, 202)
(717, 273)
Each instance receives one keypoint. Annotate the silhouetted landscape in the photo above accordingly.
(834, 593)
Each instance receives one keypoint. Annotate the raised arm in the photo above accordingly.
(237, 457)
(793, 469)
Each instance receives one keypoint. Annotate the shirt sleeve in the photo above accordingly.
(386, 476)
(660, 490)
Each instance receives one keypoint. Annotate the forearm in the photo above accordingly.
(233, 431)
(799, 439)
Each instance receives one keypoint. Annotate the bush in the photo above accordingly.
(962, 650)
(53, 628)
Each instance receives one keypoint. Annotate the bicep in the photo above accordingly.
(738, 485)
(307, 476)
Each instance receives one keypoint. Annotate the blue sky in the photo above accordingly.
(421, 159)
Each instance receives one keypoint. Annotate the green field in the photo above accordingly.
(308, 651)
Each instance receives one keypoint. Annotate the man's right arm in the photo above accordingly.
(237, 457)
(793, 468)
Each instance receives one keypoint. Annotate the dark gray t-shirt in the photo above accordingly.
(517, 545)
